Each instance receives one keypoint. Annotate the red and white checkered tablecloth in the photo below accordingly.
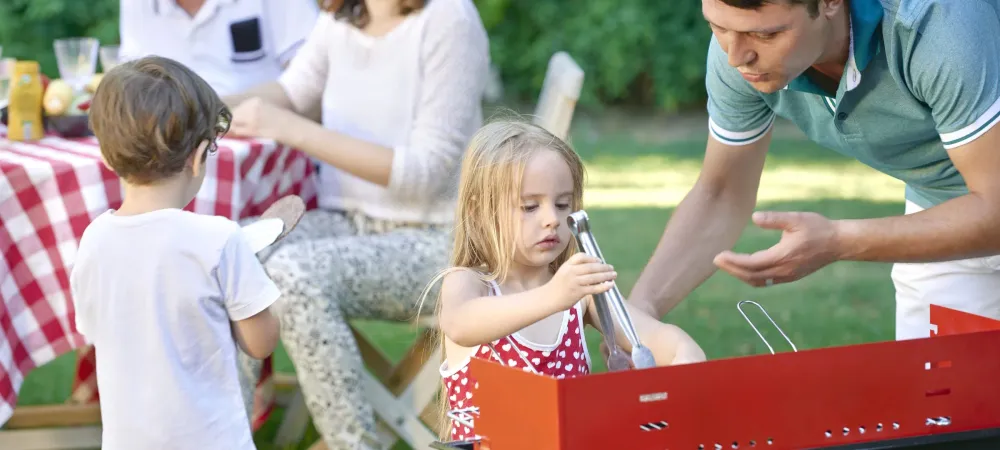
(50, 190)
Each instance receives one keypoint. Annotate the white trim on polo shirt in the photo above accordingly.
(739, 138)
(984, 123)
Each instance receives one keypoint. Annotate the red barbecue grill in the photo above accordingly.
(937, 392)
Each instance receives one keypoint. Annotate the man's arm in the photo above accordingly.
(961, 85)
(714, 213)
(962, 89)
(964, 227)
(708, 220)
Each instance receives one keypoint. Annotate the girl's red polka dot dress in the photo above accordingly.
(567, 357)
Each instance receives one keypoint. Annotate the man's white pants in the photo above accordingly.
(969, 285)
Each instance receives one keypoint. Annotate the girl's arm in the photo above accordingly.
(668, 343)
(470, 316)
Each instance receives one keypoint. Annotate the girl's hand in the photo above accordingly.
(578, 277)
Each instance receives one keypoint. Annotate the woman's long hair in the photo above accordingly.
(486, 235)
(355, 12)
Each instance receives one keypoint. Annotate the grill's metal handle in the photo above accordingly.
(739, 306)
(641, 356)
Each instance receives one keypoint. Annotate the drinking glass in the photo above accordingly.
(77, 60)
(109, 57)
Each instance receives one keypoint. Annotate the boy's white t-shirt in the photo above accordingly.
(155, 293)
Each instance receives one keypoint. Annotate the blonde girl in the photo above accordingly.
(517, 291)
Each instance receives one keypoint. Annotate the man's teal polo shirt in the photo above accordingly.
(923, 76)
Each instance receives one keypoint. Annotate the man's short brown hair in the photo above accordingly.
(151, 114)
(811, 5)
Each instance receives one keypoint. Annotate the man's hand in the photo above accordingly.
(257, 118)
(808, 243)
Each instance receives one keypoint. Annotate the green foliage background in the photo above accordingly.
(647, 53)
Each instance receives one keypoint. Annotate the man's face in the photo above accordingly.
(771, 45)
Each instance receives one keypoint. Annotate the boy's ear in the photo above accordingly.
(197, 159)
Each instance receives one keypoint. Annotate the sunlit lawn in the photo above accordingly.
(631, 192)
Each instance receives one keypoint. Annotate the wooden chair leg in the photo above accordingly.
(294, 422)
(416, 358)
(374, 359)
(402, 395)
(402, 412)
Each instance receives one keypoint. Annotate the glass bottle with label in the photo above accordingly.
(24, 111)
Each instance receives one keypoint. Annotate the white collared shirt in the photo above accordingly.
(417, 89)
(232, 44)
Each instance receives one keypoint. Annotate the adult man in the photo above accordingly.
(910, 88)
(232, 44)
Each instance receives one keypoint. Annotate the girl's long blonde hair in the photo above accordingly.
(485, 235)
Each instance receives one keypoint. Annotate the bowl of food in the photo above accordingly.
(65, 111)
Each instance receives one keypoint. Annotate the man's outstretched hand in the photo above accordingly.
(808, 243)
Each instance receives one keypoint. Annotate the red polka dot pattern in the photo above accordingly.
(567, 359)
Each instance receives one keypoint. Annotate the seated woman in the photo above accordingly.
(400, 84)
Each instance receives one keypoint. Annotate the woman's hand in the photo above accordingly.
(257, 118)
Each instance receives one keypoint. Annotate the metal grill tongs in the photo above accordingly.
(610, 301)
(739, 306)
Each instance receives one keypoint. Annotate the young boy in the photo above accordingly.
(157, 288)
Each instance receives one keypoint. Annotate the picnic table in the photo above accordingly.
(50, 190)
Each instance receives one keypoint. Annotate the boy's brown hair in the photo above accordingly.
(151, 114)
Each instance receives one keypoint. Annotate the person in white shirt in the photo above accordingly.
(401, 85)
(232, 44)
(167, 295)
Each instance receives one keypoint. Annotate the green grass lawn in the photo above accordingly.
(632, 189)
